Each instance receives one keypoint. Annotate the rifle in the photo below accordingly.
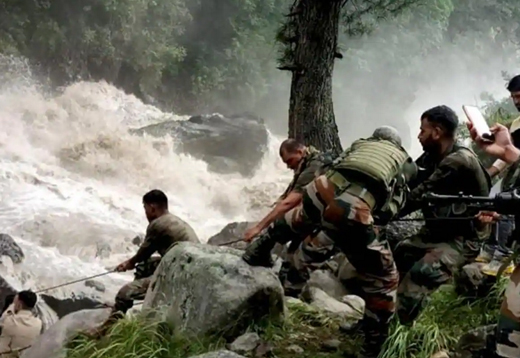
(506, 203)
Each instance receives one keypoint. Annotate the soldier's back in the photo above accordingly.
(169, 229)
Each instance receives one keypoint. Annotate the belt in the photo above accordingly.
(352, 188)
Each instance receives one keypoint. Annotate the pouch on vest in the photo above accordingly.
(384, 168)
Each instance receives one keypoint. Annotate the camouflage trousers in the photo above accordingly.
(302, 258)
(347, 220)
(508, 328)
(424, 266)
(136, 290)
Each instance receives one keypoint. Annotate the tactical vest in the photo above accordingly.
(383, 168)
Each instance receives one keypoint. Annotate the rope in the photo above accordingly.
(75, 281)
(462, 218)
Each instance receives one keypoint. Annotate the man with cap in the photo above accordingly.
(443, 245)
(364, 187)
(20, 327)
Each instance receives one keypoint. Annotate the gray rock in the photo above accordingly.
(98, 286)
(331, 344)
(9, 248)
(231, 235)
(397, 231)
(328, 283)
(138, 240)
(51, 344)
(228, 144)
(245, 343)
(474, 343)
(204, 289)
(352, 307)
(103, 250)
(219, 354)
(293, 348)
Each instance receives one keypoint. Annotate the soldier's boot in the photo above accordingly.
(258, 253)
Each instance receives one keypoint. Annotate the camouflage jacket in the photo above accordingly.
(459, 170)
(162, 233)
(313, 164)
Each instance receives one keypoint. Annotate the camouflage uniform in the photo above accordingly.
(305, 256)
(161, 234)
(429, 259)
(343, 210)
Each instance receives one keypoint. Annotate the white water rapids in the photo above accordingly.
(72, 180)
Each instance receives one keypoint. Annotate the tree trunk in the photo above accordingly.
(315, 26)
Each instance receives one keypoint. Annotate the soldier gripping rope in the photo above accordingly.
(367, 182)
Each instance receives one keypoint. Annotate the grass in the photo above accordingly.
(443, 321)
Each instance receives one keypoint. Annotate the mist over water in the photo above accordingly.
(72, 180)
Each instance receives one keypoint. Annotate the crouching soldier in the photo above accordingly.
(367, 184)
(164, 230)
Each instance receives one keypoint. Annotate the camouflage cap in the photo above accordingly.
(388, 133)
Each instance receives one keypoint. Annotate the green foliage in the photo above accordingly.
(445, 318)
(137, 338)
(495, 111)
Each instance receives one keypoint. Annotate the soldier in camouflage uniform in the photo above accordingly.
(429, 259)
(164, 230)
(307, 163)
(369, 178)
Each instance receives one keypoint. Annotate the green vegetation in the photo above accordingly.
(196, 56)
(445, 318)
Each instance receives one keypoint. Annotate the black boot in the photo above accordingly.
(258, 253)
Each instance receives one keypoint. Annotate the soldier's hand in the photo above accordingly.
(125, 266)
(502, 147)
(488, 217)
(251, 233)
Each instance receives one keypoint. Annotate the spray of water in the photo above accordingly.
(72, 179)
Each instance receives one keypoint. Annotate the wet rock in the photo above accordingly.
(205, 289)
(245, 343)
(232, 234)
(65, 306)
(103, 250)
(138, 240)
(228, 144)
(98, 286)
(52, 343)
(9, 248)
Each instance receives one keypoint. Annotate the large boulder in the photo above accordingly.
(205, 290)
(51, 344)
(232, 234)
(228, 144)
(9, 248)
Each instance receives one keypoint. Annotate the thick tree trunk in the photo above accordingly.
(315, 26)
